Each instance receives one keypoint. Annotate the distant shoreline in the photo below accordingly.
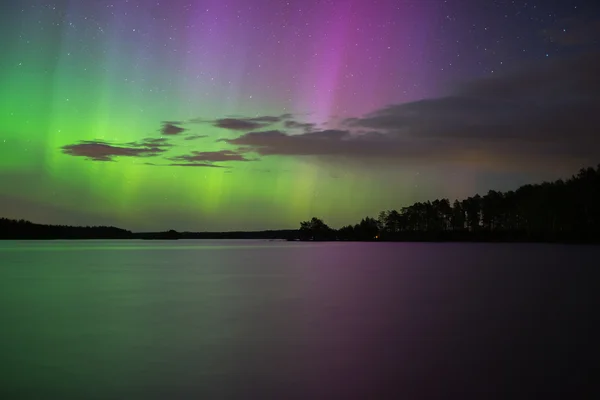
(550, 212)
(295, 236)
(572, 242)
(25, 230)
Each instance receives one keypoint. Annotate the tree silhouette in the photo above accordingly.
(21, 229)
(458, 216)
(551, 211)
(316, 229)
(559, 211)
(367, 229)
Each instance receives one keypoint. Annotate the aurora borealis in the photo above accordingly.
(256, 114)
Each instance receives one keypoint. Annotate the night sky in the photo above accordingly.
(257, 114)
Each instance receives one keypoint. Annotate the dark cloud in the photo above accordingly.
(171, 128)
(197, 165)
(305, 126)
(98, 150)
(211, 156)
(194, 137)
(243, 124)
(163, 142)
(266, 119)
(319, 143)
(209, 165)
(546, 113)
(240, 123)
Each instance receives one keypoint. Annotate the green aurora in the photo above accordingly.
(82, 72)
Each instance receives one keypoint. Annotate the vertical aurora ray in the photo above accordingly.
(75, 71)
(324, 74)
(118, 81)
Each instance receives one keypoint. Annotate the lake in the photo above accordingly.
(286, 320)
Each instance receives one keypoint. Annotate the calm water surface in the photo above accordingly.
(257, 320)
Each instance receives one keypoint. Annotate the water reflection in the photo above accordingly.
(267, 319)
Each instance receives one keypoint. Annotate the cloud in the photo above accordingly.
(266, 119)
(194, 137)
(546, 113)
(243, 124)
(211, 156)
(209, 165)
(305, 126)
(98, 150)
(197, 165)
(319, 143)
(161, 142)
(171, 128)
(246, 124)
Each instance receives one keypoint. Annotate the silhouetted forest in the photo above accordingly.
(25, 230)
(21, 229)
(278, 234)
(559, 211)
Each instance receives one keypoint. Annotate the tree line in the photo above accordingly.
(11, 229)
(559, 211)
(22, 229)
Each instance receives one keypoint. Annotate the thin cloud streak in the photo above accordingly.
(98, 150)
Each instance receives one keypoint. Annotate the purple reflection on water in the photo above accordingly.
(295, 320)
